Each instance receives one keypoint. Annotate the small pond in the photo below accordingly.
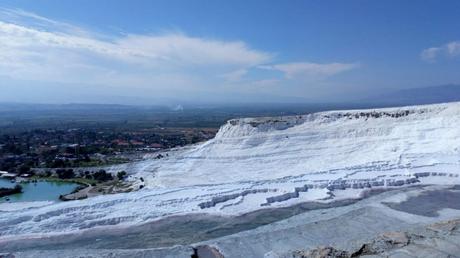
(39, 191)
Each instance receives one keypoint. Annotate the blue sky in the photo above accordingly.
(223, 51)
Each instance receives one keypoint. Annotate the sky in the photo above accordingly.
(214, 51)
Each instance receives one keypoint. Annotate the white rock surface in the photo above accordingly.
(255, 163)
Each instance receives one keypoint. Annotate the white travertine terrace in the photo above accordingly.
(254, 163)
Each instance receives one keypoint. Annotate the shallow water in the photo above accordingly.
(40, 191)
(430, 203)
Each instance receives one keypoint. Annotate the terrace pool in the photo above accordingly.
(39, 191)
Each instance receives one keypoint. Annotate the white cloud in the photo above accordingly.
(235, 76)
(430, 54)
(311, 70)
(61, 52)
(177, 48)
(450, 49)
(191, 50)
(18, 16)
(453, 48)
(36, 48)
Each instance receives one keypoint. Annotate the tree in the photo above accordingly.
(18, 188)
(101, 175)
(65, 173)
(24, 169)
(121, 175)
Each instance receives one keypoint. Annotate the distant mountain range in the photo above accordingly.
(417, 96)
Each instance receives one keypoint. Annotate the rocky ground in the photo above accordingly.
(437, 240)
(111, 187)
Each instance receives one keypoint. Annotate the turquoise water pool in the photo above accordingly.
(40, 191)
